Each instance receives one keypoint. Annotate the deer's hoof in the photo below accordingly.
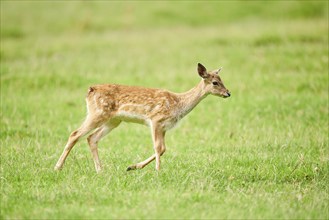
(131, 168)
(99, 171)
(56, 168)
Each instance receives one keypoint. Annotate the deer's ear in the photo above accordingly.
(218, 70)
(202, 71)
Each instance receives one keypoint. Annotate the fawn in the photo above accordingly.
(108, 105)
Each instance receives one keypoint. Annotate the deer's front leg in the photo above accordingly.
(158, 143)
(159, 147)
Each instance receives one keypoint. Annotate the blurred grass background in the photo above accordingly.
(263, 153)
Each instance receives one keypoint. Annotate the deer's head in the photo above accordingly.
(212, 82)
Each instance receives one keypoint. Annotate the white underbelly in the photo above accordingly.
(132, 117)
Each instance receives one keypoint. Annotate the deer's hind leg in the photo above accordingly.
(88, 125)
(96, 136)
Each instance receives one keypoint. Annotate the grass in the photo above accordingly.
(263, 153)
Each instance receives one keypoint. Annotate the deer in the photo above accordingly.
(110, 104)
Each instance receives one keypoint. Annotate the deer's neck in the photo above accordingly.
(188, 100)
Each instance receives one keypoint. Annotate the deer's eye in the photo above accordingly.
(215, 83)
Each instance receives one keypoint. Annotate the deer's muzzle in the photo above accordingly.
(227, 94)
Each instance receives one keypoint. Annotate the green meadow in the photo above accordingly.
(261, 154)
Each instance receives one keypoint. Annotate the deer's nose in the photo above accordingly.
(228, 94)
